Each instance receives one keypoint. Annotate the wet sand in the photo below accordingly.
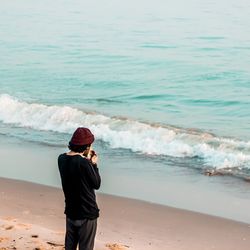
(31, 217)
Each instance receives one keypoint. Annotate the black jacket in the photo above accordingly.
(79, 180)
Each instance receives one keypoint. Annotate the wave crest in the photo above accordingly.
(129, 134)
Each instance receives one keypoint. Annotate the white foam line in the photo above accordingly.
(124, 133)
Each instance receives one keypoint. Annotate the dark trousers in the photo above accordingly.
(80, 232)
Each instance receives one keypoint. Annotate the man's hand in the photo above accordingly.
(94, 159)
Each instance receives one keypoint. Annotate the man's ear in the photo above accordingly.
(87, 149)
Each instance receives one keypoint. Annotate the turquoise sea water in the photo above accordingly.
(155, 78)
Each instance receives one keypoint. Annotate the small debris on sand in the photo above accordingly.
(116, 246)
(9, 227)
(54, 244)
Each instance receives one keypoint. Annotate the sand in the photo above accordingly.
(31, 217)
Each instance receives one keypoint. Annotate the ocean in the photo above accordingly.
(163, 85)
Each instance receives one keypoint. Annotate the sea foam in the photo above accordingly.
(130, 134)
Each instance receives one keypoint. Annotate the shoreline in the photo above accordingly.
(33, 209)
(176, 187)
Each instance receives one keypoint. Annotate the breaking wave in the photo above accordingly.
(152, 139)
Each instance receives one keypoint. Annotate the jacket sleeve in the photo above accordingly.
(93, 175)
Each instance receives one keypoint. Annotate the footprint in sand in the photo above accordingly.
(2, 239)
(17, 226)
(10, 219)
(23, 226)
(116, 246)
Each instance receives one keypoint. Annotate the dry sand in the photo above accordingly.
(31, 217)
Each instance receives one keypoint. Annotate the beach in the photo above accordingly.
(164, 87)
(31, 217)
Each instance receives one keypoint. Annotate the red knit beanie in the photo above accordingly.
(82, 136)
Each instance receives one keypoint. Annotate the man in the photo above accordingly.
(80, 177)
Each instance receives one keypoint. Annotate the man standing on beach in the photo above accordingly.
(80, 177)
